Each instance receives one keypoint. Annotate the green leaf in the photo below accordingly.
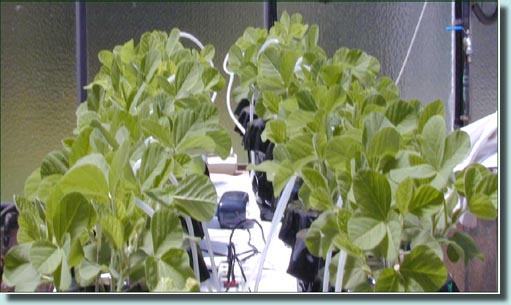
(341, 149)
(422, 268)
(433, 141)
(365, 231)
(55, 162)
(390, 281)
(398, 112)
(173, 265)
(372, 124)
(153, 165)
(372, 193)
(18, 271)
(320, 199)
(188, 79)
(289, 58)
(392, 241)
(45, 256)
(469, 246)
(114, 230)
(421, 171)
(32, 184)
(62, 276)
(275, 131)
(435, 108)
(426, 201)
(321, 234)
(87, 272)
(482, 206)
(196, 196)
(404, 195)
(306, 100)
(314, 179)
(75, 255)
(166, 231)
(73, 215)
(31, 228)
(118, 165)
(457, 145)
(222, 141)
(301, 151)
(269, 63)
(361, 65)
(384, 142)
(87, 176)
(208, 52)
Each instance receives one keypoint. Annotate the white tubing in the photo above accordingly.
(228, 96)
(266, 44)
(279, 212)
(216, 283)
(340, 271)
(201, 46)
(195, 257)
(411, 43)
(326, 273)
(145, 207)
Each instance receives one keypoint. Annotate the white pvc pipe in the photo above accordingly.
(195, 256)
(228, 96)
(279, 212)
(216, 280)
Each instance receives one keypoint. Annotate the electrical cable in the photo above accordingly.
(411, 42)
(233, 257)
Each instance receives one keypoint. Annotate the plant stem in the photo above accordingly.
(98, 250)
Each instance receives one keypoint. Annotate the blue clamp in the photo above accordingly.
(454, 28)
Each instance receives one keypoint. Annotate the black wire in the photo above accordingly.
(233, 257)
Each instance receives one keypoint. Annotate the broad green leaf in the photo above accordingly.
(392, 242)
(384, 142)
(482, 206)
(196, 196)
(117, 168)
(424, 269)
(212, 79)
(128, 51)
(75, 255)
(81, 146)
(46, 186)
(341, 149)
(425, 238)
(433, 141)
(275, 131)
(45, 256)
(297, 121)
(154, 163)
(355, 273)
(372, 124)
(87, 176)
(31, 228)
(196, 144)
(321, 234)
(314, 179)
(468, 245)
(172, 43)
(114, 230)
(73, 215)
(426, 201)
(208, 52)
(158, 130)
(271, 101)
(188, 79)
(363, 66)
(404, 195)
(435, 108)
(365, 231)
(398, 112)
(32, 184)
(173, 265)
(282, 176)
(62, 276)
(390, 281)
(421, 171)
(269, 63)
(372, 193)
(455, 252)
(55, 162)
(320, 199)
(18, 271)
(222, 141)
(306, 100)
(166, 231)
(286, 69)
(301, 151)
(87, 272)
(457, 145)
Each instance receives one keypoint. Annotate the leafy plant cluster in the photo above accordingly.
(378, 168)
(108, 201)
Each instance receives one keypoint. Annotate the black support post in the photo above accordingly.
(270, 13)
(81, 49)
